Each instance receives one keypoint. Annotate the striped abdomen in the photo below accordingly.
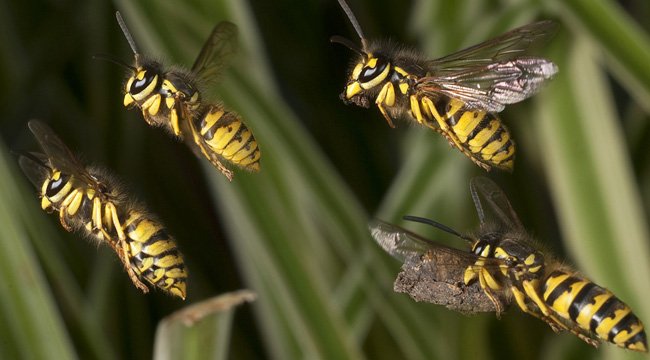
(480, 135)
(154, 255)
(594, 309)
(227, 136)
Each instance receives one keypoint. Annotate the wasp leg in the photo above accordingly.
(122, 248)
(174, 120)
(487, 283)
(453, 141)
(520, 298)
(150, 108)
(386, 116)
(174, 103)
(69, 206)
(97, 226)
(441, 126)
(556, 324)
(487, 286)
(148, 119)
(210, 156)
(386, 96)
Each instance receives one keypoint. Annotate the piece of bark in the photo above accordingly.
(437, 278)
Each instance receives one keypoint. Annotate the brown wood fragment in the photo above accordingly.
(425, 281)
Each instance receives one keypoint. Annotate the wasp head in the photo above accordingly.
(145, 80)
(366, 76)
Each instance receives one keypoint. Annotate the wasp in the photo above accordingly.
(89, 199)
(507, 263)
(172, 98)
(459, 95)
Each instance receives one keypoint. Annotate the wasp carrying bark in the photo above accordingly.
(172, 98)
(459, 95)
(88, 199)
(508, 264)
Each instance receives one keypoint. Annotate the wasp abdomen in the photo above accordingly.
(482, 135)
(594, 309)
(226, 135)
(154, 254)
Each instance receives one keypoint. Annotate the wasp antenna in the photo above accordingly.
(112, 59)
(355, 23)
(437, 225)
(347, 43)
(126, 32)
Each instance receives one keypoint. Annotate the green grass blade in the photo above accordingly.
(36, 329)
(591, 180)
(201, 330)
(624, 41)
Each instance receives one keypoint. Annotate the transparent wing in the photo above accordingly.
(216, 52)
(398, 242)
(407, 246)
(508, 46)
(498, 207)
(57, 152)
(34, 165)
(494, 73)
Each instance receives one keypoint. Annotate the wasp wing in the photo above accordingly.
(35, 166)
(398, 242)
(58, 154)
(507, 46)
(409, 247)
(498, 207)
(494, 73)
(216, 52)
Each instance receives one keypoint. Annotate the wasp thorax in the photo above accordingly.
(521, 255)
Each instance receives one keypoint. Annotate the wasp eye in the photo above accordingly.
(55, 186)
(373, 69)
(479, 247)
(141, 83)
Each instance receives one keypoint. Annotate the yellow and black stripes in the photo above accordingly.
(507, 264)
(562, 299)
(457, 95)
(151, 254)
(163, 98)
(172, 98)
(168, 99)
(154, 255)
(478, 134)
(89, 199)
(227, 136)
(594, 309)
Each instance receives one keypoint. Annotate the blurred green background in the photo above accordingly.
(295, 233)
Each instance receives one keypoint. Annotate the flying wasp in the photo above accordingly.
(459, 95)
(507, 264)
(89, 199)
(172, 98)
